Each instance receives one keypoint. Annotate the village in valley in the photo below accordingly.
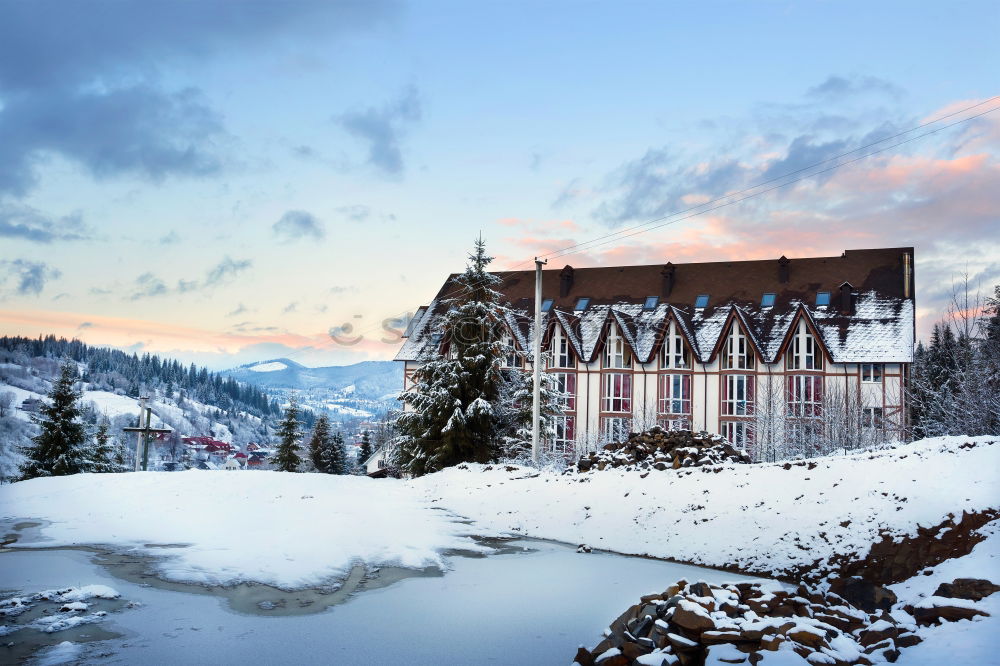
(631, 334)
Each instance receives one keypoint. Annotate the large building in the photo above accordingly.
(771, 354)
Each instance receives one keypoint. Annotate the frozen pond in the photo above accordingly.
(534, 602)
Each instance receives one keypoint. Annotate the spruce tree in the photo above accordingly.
(318, 442)
(104, 456)
(60, 446)
(286, 459)
(364, 452)
(334, 456)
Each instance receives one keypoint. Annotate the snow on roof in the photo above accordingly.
(879, 329)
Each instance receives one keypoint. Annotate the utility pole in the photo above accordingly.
(144, 432)
(536, 394)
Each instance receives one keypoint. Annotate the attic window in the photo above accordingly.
(822, 298)
(767, 301)
(546, 304)
(581, 304)
(651, 303)
(701, 302)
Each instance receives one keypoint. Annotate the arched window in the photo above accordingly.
(562, 350)
(674, 353)
(803, 351)
(616, 352)
(738, 354)
(511, 359)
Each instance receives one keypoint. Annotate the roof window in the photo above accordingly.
(651, 303)
(822, 298)
(767, 301)
(581, 304)
(546, 304)
(701, 302)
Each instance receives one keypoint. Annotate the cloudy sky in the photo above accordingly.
(227, 182)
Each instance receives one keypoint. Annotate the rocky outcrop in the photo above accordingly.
(659, 449)
(973, 589)
(736, 623)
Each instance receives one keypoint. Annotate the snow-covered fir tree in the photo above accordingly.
(286, 456)
(364, 452)
(60, 447)
(105, 455)
(464, 403)
(518, 390)
(318, 443)
(334, 457)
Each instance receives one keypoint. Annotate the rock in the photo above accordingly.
(877, 634)
(714, 637)
(687, 615)
(937, 614)
(584, 548)
(863, 594)
(807, 636)
(634, 650)
(583, 657)
(907, 640)
(973, 589)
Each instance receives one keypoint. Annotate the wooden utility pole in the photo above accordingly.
(536, 343)
(145, 431)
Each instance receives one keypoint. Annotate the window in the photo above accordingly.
(739, 433)
(737, 395)
(566, 385)
(803, 351)
(616, 353)
(511, 359)
(615, 428)
(701, 301)
(871, 417)
(674, 353)
(616, 394)
(546, 304)
(803, 435)
(562, 352)
(805, 396)
(767, 301)
(565, 434)
(737, 354)
(675, 394)
(822, 299)
(436, 338)
(581, 304)
(651, 303)
(681, 423)
(871, 373)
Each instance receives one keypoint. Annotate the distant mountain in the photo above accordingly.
(370, 379)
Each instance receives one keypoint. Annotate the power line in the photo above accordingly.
(626, 232)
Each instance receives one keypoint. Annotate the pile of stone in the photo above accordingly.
(664, 449)
(744, 623)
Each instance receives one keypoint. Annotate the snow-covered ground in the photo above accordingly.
(273, 366)
(20, 395)
(288, 530)
(762, 518)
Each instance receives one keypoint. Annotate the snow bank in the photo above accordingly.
(761, 518)
(287, 530)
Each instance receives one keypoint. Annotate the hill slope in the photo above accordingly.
(371, 379)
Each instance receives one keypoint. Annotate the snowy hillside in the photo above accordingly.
(368, 380)
(770, 518)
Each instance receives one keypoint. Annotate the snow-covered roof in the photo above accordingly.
(871, 323)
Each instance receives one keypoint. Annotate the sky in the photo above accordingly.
(226, 182)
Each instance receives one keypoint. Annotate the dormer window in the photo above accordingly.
(616, 352)
(511, 359)
(546, 305)
(803, 350)
(767, 301)
(562, 352)
(651, 303)
(581, 304)
(737, 354)
(701, 302)
(822, 299)
(674, 353)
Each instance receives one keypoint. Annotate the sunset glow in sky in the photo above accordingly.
(227, 182)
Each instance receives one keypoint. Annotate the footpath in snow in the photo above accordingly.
(773, 519)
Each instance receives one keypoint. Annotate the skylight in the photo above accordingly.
(767, 301)
(822, 298)
(651, 303)
(546, 304)
(701, 301)
(581, 304)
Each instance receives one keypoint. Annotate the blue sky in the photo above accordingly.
(227, 181)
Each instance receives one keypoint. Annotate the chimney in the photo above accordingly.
(783, 269)
(668, 279)
(846, 299)
(565, 281)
